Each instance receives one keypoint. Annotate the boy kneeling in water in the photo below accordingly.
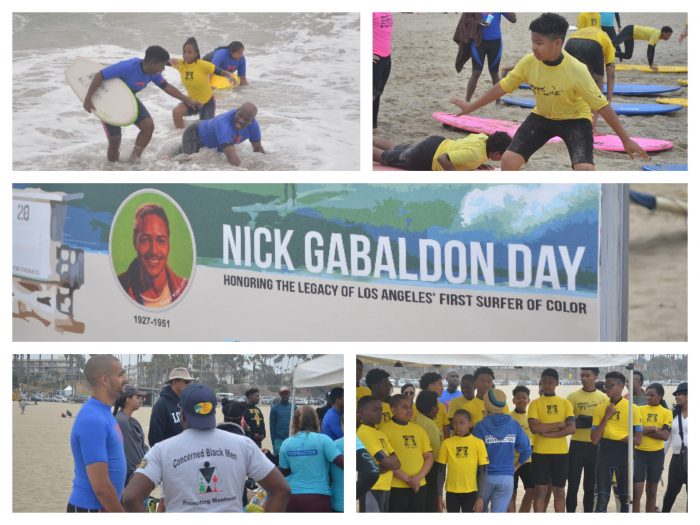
(564, 93)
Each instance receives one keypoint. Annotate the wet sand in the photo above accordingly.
(42, 463)
(423, 79)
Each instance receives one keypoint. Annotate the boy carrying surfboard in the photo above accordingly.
(564, 93)
(136, 74)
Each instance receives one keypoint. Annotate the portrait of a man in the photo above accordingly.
(149, 280)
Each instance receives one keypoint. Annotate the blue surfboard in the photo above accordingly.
(665, 167)
(621, 108)
(633, 89)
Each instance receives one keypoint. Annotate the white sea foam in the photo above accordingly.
(303, 70)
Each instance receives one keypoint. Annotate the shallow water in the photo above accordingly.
(303, 70)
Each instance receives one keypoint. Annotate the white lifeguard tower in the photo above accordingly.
(45, 272)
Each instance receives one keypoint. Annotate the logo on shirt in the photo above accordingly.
(652, 418)
(616, 416)
(552, 409)
(541, 90)
(207, 479)
(409, 442)
(189, 75)
(462, 452)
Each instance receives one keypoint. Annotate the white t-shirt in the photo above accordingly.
(676, 435)
(204, 470)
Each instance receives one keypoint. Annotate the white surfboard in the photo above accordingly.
(114, 102)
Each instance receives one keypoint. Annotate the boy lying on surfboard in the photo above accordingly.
(564, 93)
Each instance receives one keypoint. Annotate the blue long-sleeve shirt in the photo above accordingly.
(503, 436)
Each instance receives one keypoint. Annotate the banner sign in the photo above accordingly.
(287, 262)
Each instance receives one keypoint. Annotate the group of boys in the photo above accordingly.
(469, 443)
(567, 84)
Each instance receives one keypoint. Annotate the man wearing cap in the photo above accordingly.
(134, 445)
(678, 469)
(280, 417)
(254, 416)
(332, 425)
(165, 416)
(502, 436)
(452, 389)
(97, 443)
(203, 469)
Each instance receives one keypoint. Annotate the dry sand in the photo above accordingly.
(42, 463)
(423, 79)
(564, 390)
(658, 269)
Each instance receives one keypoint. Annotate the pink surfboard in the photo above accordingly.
(488, 125)
(378, 167)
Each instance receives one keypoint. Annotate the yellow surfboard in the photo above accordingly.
(219, 82)
(646, 69)
(683, 81)
(679, 101)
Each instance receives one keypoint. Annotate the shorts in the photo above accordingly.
(190, 140)
(648, 466)
(491, 49)
(525, 474)
(206, 112)
(116, 131)
(589, 52)
(309, 503)
(550, 469)
(534, 133)
(413, 157)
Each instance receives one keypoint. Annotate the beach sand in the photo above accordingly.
(658, 269)
(42, 463)
(423, 79)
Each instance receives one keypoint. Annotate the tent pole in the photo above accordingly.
(630, 438)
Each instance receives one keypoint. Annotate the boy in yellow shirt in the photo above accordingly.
(425, 411)
(652, 35)
(378, 382)
(432, 382)
(521, 399)
(551, 419)
(564, 93)
(611, 433)
(464, 457)
(412, 447)
(583, 453)
(436, 153)
(649, 455)
(467, 401)
(377, 443)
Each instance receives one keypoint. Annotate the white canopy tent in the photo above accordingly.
(325, 370)
(543, 360)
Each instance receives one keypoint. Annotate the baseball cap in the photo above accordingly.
(494, 401)
(130, 390)
(199, 406)
(180, 373)
(681, 389)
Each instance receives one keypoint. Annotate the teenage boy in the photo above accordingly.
(424, 414)
(412, 447)
(136, 74)
(521, 399)
(564, 93)
(551, 419)
(634, 32)
(378, 382)
(582, 452)
(432, 382)
(610, 432)
(378, 445)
